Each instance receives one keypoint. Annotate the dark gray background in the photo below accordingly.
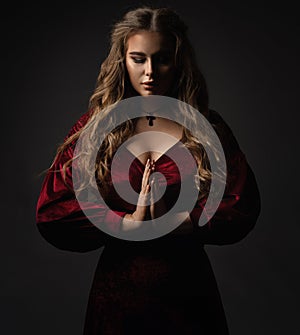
(51, 57)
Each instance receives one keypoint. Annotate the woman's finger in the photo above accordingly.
(146, 175)
(146, 169)
(153, 165)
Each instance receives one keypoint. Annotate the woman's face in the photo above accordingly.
(150, 63)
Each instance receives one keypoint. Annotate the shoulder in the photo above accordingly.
(80, 123)
(65, 150)
(224, 132)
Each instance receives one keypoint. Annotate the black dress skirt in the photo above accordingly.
(160, 287)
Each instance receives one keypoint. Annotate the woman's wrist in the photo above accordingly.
(135, 220)
(130, 222)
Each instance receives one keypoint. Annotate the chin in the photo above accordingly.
(145, 93)
(151, 92)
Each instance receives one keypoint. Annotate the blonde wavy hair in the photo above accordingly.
(113, 85)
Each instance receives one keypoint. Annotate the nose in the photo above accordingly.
(149, 68)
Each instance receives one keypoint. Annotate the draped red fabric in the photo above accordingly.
(62, 222)
(165, 285)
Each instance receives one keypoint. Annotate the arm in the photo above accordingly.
(238, 211)
(240, 207)
(159, 208)
(59, 217)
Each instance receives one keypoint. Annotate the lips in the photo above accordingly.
(148, 84)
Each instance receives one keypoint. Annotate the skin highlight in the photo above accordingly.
(113, 84)
(150, 63)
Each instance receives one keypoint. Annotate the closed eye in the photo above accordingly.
(138, 60)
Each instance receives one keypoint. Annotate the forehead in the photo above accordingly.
(149, 43)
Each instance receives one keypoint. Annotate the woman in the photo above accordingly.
(164, 284)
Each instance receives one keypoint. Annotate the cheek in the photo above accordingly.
(132, 71)
(167, 70)
(128, 67)
(168, 74)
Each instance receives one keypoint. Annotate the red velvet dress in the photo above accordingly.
(165, 285)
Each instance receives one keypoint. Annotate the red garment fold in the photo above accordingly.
(62, 222)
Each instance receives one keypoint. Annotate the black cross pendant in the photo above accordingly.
(151, 118)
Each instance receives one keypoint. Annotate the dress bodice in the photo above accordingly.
(169, 176)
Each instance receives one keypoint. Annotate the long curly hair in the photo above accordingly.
(113, 85)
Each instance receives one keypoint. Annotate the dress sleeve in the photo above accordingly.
(240, 207)
(59, 217)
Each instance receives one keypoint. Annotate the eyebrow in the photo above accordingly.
(138, 53)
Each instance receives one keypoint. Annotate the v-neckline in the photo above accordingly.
(159, 158)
